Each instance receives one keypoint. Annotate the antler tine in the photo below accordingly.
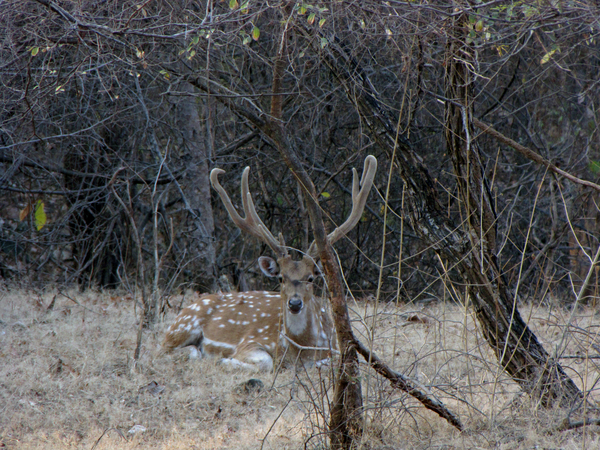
(277, 245)
(251, 224)
(360, 193)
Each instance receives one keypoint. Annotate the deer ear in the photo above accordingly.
(318, 269)
(268, 266)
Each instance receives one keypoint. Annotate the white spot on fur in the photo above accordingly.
(218, 344)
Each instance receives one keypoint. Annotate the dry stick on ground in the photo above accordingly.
(566, 424)
(399, 381)
(104, 433)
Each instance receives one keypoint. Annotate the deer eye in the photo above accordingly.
(310, 278)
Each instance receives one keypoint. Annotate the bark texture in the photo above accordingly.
(196, 187)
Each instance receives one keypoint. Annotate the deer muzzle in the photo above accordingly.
(295, 305)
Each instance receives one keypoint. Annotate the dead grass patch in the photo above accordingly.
(66, 381)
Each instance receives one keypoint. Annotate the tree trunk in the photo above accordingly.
(513, 342)
(345, 424)
(199, 240)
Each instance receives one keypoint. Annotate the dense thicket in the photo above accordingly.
(113, 112)
(96, 93)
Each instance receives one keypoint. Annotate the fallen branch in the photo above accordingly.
(568, 425)
(411, 387)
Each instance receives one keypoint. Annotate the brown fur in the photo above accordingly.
(252, 329)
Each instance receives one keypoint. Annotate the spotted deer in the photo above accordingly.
(252, 329)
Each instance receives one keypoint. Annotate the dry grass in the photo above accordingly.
(66, 381)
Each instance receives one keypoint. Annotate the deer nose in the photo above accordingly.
(295, 305)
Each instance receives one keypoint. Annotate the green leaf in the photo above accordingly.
(471, 37)
(594, 166)
(302, 10)
(255, 33)
(324, 42)
(39, 215)
(35, 51)
(321, 22)
(195, 40)
(326, 194)
(311, 18)
(548, 55)
(233, 4)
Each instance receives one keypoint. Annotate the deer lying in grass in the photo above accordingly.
(251, 329)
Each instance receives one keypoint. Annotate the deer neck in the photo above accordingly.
(305, 328)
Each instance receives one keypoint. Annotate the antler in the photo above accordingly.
(359, 199)
(251, 224)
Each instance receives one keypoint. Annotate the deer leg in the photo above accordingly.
(254, 360)
(184, 334)
(322, 363)
(195, 352)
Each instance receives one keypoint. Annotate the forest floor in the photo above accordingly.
(67, 380)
